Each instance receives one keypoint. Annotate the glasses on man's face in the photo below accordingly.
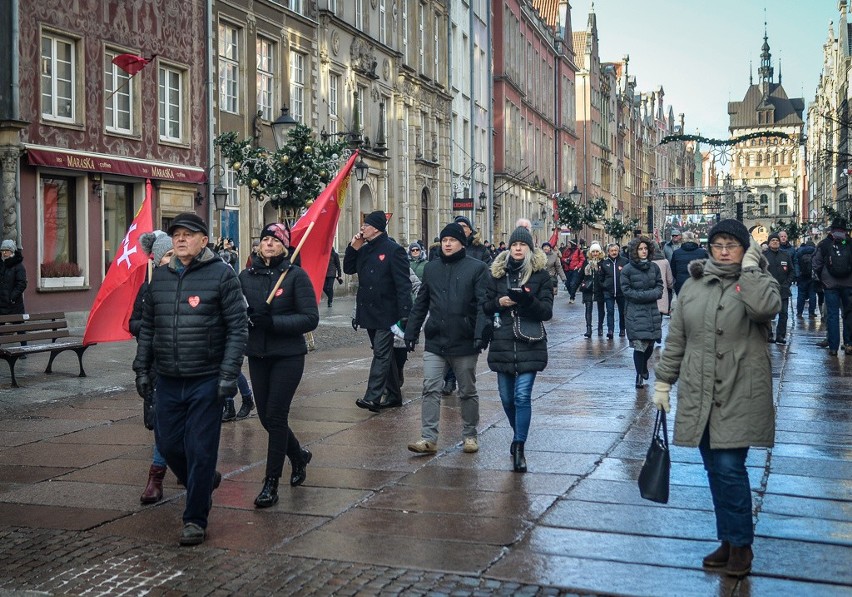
(725, 248)
(415, 250)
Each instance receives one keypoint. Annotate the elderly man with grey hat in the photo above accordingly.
(673, 245)
(383, 299)
(13, 279)
(193, 335)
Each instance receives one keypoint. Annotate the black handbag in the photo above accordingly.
(527, 330)
(654, 476)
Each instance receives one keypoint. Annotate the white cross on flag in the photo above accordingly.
(109, 319)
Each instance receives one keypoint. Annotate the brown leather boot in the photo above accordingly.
(719, 558)
(739, 564)
(154, 489)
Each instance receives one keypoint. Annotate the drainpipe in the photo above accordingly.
(210, 129)
(490, 107)
(16, 110)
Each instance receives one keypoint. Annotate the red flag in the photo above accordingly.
(554, 238)
(324, 213)
(130, 63)
(109, 319)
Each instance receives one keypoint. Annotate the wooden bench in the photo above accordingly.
(37, 327)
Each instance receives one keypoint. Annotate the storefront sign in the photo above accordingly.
(462, 204)
(76, 160)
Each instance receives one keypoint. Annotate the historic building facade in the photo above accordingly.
(88, 135)
(772, 167)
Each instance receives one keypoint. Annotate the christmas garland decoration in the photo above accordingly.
(725, 142)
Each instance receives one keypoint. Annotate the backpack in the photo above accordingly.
(805, 265)
(838, 261)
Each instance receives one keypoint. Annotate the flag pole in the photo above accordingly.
(292, 259)
(117, 89)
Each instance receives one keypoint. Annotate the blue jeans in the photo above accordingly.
(836, 300)
(243, 386)
(516, 396)
(189, 422)
(574, 278)
(806, 292)
(157, 459)
(611, 301)
(731, 492)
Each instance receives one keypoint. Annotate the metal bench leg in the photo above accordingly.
(50, 361)
(12, 360)
(80, 352)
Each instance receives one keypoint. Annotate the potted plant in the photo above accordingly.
(61, 274)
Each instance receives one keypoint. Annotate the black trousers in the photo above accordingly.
(328, 289)
(383, 371)
(274, 381)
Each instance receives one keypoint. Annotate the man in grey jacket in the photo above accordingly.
(194, 332)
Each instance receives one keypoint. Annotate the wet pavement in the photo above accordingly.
(372, 518)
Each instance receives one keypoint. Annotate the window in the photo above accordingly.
(764, 205)
(171, 104)
(118, 89)
(332, 6)
(59, 200)
(297, 86)
(333, 98)
(435, 46)
(58, 78)
(422, 37)
(360, 107)
(265, 77)
(229, 68)
(118, 214)
(405, 31)
(782, 204)
(297, 6)
(359, 14)
(382, 22)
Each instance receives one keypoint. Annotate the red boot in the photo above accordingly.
(154, 489)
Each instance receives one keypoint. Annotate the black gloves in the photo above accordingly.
(339, 280)
(478, 344)
(260, 317)
(148, 416)
(410, 344)
(143, 385)
(354, 324)
(227, 388)
(522, 296)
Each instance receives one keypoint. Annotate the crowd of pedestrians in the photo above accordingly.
(196, 318)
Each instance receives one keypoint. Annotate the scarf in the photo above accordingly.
(457, 256)
(724, 271)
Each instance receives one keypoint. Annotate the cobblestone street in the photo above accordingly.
(373, 519)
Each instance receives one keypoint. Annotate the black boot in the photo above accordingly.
(519, 462)
(268, 496)
(588, 333)
(228, 413)
(246, 408)
(513, 448)
(299, 472)
(639, 381)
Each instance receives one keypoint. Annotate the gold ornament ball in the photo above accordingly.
(323, 173)
(285, 159)
(309, 202)
(237, 165)
(255, 183)
(308, 149)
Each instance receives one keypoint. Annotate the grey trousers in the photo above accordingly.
(433, 379)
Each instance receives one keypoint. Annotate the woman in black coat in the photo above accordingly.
(592, 289)
(519, 287)
(642, 285)
(276, 351)
(13, 279)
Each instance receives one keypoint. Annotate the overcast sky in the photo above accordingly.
(699, 51)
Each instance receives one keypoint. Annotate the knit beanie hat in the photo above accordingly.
(276, 230)
(413, 246)
(464, 220)
(733, 228)
(839, 223)
(156, 244)
(377, 220)
(455, 231)
(522, 235)
(774, 236)
(8, 245)
(596, 246)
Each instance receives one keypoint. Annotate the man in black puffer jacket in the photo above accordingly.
(384, 298)
(689, 251)
(453, 294)
(194, 331)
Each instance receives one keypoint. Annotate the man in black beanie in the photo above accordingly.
(383, 299)
(453, 295)
(781, 268)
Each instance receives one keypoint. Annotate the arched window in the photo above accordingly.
(782, 204)
(764, 204)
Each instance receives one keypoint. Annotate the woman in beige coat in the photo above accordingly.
(716, 351)
(659, 258)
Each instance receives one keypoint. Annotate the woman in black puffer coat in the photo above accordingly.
(592, 288)
(519, 286)
(642, 285)
(13, 280)
(276, 351)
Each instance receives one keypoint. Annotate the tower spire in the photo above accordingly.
(750, 73)
(765, 72)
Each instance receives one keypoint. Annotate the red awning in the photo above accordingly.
(91, 162)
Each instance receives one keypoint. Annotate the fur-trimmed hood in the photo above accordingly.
(498, 266)
(696, 267)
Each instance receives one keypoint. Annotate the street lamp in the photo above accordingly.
(281, 127)
(361, 169)
(618, 215)
(575, 194)
(482, 199)
(220, 196)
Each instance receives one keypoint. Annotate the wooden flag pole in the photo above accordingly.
(292, 259)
